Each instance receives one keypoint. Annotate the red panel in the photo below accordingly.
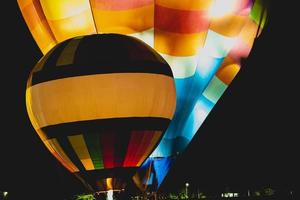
(180, 21)
(107, 141)
(143, 146)
(138, 144)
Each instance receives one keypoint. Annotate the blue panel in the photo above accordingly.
(188, 92)
(191, 110)
(161, 167)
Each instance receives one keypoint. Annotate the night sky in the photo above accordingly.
(248, 140)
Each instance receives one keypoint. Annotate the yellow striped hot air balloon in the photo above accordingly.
(100, 104)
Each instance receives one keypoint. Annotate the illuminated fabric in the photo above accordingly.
(98, 107)
(195, 37)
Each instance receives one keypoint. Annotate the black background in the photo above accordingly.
(249, 139)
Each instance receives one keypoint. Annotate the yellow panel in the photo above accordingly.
(63, 157)
(185, 4)
(77, 25)
(154, 141)
(79, 146)
(229, 25)
(177, 44)
(124, 22)
(102, 96)
(60, 9)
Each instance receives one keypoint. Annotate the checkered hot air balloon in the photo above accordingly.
(100, 104)
(202, 40)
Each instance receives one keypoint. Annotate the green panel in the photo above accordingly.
(93, 143)
(214, 90)
(256, 13)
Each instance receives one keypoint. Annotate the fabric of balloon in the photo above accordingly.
(202, 40)
(99, 108)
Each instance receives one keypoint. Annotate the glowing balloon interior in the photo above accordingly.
(100, 104)
(202, 40)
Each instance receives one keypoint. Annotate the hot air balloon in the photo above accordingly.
(100, 104)
(195, 37)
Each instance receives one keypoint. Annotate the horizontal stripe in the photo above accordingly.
(79, 146)
(186, 21)
(76, 25)
(125, 48)
(94, 127)
(60, 9)
(119, 5)
(75, 71)
(177, 44)
(102, 96)
(186, 4)
(124, 22)
(229, 25)
(182, 67)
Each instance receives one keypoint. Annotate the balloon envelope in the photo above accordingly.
(202, 40)
(100, 104)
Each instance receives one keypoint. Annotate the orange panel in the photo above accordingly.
(229, 25)
(125, 21)
(228, 71)
(177, 44)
